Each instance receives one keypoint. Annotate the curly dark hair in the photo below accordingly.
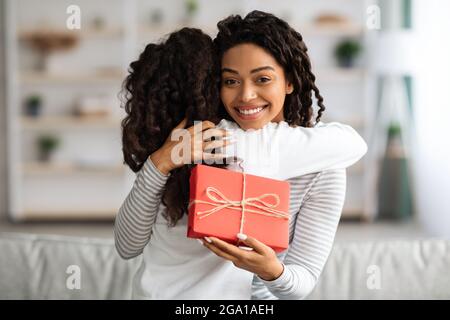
(287, 47)
(171, 80)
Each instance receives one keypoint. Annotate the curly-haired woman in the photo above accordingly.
(268, 73)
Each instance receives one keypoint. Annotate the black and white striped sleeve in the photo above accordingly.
(314, 232)
(136, 216)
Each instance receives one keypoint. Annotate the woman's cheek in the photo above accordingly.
(225, 96)
(275, 97)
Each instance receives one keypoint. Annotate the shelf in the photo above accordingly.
(68, 214)
(357, 168)
(32, 78)
(336, 74)
(36, 168)
(66, 122)
(304, 29)
(163, 30)
(352, 213)
(107, 32)
(347, 30)
(355, 122)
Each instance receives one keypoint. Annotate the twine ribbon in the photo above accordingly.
(219, 201)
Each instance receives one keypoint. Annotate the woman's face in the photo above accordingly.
(253, 86)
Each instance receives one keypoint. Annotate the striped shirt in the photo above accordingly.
(175, 267)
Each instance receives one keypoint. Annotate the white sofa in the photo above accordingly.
(37, 267)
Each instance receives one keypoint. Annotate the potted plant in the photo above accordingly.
(47, 144)
(156, 17)
(33, 105)
(191, 7)
(346, 52)
(98, 23)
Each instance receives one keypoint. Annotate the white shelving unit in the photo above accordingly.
(94, 187)
(86, 179)
(350, 97)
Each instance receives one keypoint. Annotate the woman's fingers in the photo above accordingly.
(215, 144)
(182, 124)
(216, 133)
(258, 246)
(217, 158)
(230, 249)
(219, 252)
(202, 143)
(198, 128)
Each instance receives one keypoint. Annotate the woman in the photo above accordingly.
(265, 65)
(163, 89)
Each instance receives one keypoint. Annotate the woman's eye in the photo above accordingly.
(229, 82)
(263, 79)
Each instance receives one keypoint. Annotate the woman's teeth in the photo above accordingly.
(250, 111)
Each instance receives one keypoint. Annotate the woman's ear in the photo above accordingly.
(289, 88)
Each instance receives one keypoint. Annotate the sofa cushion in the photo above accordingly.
(36, 267)
(395, 269)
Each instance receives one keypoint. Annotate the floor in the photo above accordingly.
(347, 231)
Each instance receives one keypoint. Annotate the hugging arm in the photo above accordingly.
(325, 147)
(136, 216)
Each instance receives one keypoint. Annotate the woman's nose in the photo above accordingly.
(248, 93)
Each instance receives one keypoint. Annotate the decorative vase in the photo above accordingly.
(45, 156)
(346, 62)
(33, 108)
(394, 194)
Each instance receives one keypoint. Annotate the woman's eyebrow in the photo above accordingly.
(252, 71)
(229, 70)
(262, 68)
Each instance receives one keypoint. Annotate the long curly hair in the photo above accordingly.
(287, 47)
(171, 80)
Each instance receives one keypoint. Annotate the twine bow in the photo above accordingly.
(220, 201)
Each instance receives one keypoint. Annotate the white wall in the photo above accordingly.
(3, 196)
(432, 116)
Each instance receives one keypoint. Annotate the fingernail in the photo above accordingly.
(242, 236)
(208, 239)
(245, 248)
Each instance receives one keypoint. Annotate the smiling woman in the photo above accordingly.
(254, 86)
(266, 77)
(266, 72)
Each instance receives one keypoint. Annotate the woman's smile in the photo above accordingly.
(250, 112)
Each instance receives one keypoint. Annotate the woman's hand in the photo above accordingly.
(196, 141)
(261, 261)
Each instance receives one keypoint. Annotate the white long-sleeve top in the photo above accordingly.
(177, 267)
(280, 151)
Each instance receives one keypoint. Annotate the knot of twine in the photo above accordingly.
(220, 201)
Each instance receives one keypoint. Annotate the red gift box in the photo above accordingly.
(216, 208)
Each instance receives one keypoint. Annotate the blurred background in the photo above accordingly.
(381, 66)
